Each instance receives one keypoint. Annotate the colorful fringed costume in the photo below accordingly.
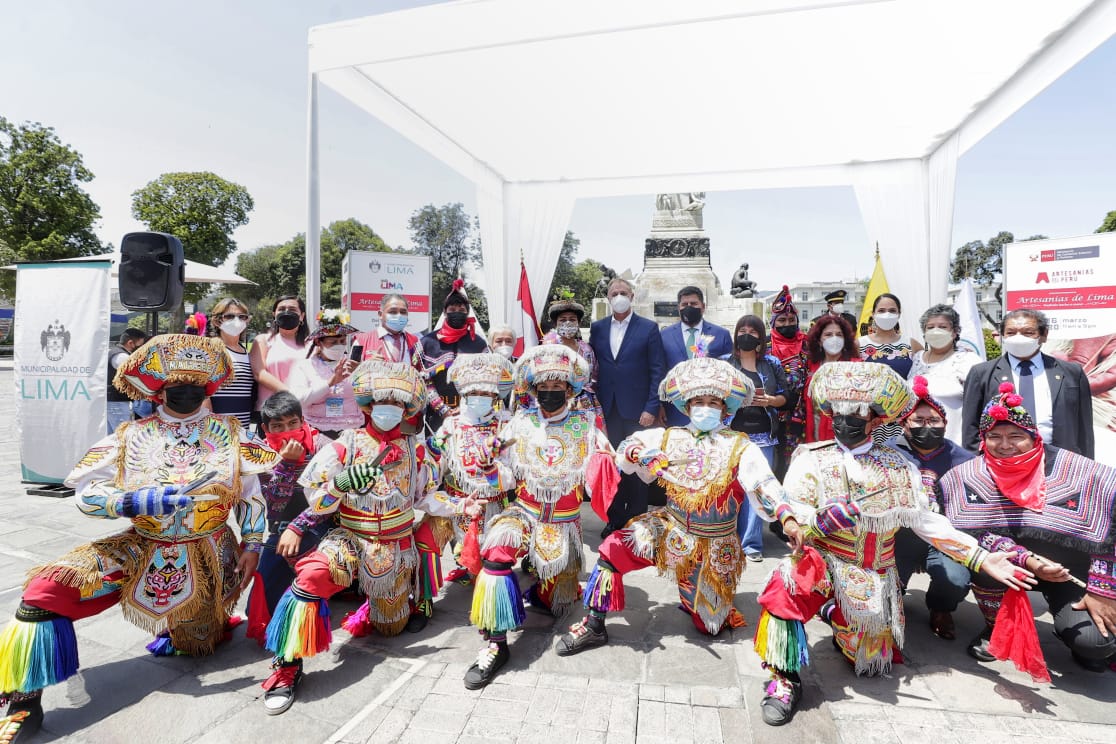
(173, 573)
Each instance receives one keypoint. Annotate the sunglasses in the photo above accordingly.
(235, 316)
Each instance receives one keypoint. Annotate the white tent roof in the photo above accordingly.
(195, 272)
(543, 102)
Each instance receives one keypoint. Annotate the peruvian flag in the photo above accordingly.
(526, 322)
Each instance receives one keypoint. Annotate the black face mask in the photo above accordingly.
(690, 315)
(551, 400)
(456, 320)
(926, 437)
(849, 430)
(185, 398)
(287, 320)
(747, 342)
(787, 332)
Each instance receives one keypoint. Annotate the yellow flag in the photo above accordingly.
(877, 286)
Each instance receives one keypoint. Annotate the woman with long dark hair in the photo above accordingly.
(831, 339)
(273, 356)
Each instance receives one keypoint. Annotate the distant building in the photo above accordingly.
(809, 298)
(987, 303)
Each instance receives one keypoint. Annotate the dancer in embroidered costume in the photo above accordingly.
(465, 443)
(788, 345)
(456, 335)
(554, 454)
(851, 496)
(707, 470)
(1053, 511)
(373, 479)
(178, 475)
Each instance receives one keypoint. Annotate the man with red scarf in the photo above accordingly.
(440, 347)
(1054, 511)
(788, 345)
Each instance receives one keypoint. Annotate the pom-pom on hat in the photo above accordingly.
(706, 376)
(375, 381)
(921, 388)
(843, 387)
(174, 358)
(481, 373)
(196, 324)
(1007, 407)
(332, 322)
(783, 303)
(456, 295)
(550, 362)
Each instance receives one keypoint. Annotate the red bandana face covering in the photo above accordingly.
(304, 436)
(449, 335)
(1022, 478)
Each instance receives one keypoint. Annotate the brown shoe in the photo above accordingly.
(941, 623)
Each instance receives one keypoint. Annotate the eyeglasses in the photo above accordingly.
(235, 316)
(932, 422)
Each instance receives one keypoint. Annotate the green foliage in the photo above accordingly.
(200, 209)
(984, 262)
(45, 214)
(1109, 224)
(991, 345)
(452, 240)
(576, 281)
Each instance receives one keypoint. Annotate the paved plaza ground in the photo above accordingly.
(657, 680)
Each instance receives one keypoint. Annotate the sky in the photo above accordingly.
(142, 88)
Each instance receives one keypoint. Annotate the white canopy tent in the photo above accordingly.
(541, 103)
(195, 272)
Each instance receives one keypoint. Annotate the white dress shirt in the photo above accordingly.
(616, 333)
(1044, 406)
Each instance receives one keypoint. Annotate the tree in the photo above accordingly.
(45, 214)
(452, 240)
(984, 262)
(577, 281)
(1109, 224)
(200, 209)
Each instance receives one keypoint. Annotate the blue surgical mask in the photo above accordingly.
(396, 322)
(478, 406)
(705, 418)
(386, 417)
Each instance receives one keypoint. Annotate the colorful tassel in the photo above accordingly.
(782, 643)
(300, 626)
(604, 591)
(497, 602)
(162, 646)
(36, 654)
(358, 623)
(430, 573)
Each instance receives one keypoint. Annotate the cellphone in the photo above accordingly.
(356, 353)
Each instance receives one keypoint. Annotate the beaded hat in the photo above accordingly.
(921, 388)
(481, 373)
(561, 306)
(550, 362)
(375, 381)
(706, 376)
(332, 322)
(1007, 407)
(174, 358)
(782, 303)
(856, 387)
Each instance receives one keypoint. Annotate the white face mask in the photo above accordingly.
(233, 327)
(479, 406)
(333, 353)
(1020, 346)
(886, 321)
(837, 307)
(705, 418)
(938, 338)
(504, 351)
(833, 344)
(620, 303)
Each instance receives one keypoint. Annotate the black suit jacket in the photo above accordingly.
(1069, 397)
(631, 379)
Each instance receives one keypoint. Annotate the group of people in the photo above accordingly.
(450, 443)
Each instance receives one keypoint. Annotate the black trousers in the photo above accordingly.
(631, 496)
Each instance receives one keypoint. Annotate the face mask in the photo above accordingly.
(837, 307)
(926, 437)
(233, 327)
(620, 304)
(747, 342)
(551, 400)
(479, 406)
(456, 320)
(184, 398)
(333, 353)
(396, 322)
(567, 329)
(287, 320)
(1019, 346)
(938, 338)
(386, 417)
(787, 332)
(705, 418)
(849, 430)
(690, 315)
(505, 351)
(886, 321)
(833, 344)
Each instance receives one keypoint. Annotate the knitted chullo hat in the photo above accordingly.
(1007, 407)
(921, 388)
(457, 295)
(783, 303)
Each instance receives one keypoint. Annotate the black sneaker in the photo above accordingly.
(580, 638)
(23, 720)
(780, 699)
(978, 647)
(489, 661)
(280, 687)
(416, 622)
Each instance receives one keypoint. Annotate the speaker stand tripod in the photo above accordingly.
(152, 323)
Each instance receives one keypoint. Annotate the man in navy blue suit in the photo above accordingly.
(630, 366)
(680, 339)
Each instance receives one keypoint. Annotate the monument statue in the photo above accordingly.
(679, 212)
(742, 286)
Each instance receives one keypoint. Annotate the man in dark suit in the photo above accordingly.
(1054, 392)
(680, 339)
(629, 353)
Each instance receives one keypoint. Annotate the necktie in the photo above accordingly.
(1027, 388)
(398, 347)
(691, 341)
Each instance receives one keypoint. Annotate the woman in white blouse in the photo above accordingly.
(321, 381)
(944, 364)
